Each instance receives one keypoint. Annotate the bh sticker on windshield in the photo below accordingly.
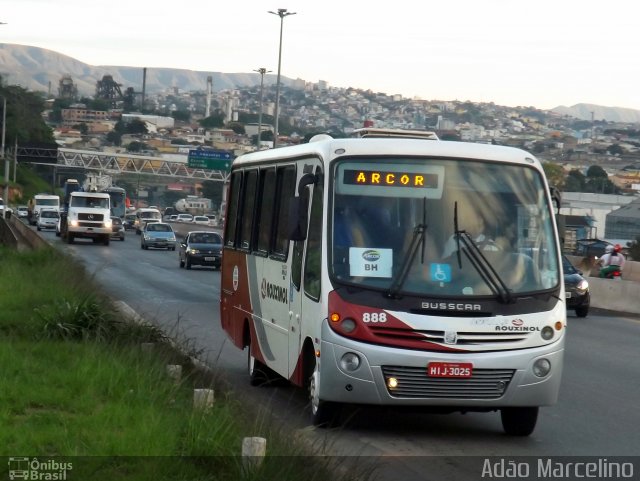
(366, 262)
(440, 272)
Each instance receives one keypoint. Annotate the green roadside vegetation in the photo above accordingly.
(77, 385)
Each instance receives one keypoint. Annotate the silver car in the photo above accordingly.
(158, 235)
(48, 219)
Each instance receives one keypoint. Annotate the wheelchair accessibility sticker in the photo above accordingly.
(440, 272)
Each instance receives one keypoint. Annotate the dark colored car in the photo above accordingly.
(158, 235)
(201, 248)
(576, 289)
(129, 221)
(117, 228)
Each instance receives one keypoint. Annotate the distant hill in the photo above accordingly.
(39, 69)
(612, 114)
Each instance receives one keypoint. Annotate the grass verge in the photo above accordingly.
(75, 382)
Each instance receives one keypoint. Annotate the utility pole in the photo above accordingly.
(261, 71)
(282, 12)
(6, 161)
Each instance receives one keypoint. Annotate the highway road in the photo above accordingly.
(596, 415)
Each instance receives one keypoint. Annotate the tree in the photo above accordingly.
(615, 149)
(181, 115)
(555, 174)
(596, 171)
(575, 182)
(212, 190)
(237, 127)
(213, 121)
(598, 181)
(24, 122)
(136, 146)
(634, 249)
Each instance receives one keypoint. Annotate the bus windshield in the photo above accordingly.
(438, 227)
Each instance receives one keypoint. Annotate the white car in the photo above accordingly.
(48, 219)
(22, 211)
(184, 218)
(201, 220)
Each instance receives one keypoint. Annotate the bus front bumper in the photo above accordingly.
(499, 378)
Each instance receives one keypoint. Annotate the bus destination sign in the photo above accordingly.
(380, 178)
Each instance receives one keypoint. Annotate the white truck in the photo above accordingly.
(85, 215)
(43, 201)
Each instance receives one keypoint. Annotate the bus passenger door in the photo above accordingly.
(305, 274)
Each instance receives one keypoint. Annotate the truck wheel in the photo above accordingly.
(519, 421)
(106, 240)
(69, 238)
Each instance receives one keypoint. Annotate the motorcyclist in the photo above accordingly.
(612, 261)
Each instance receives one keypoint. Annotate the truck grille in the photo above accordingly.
(414, 383)
(90, 217)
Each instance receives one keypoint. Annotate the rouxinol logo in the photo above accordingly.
(371, 255)
(271, 291)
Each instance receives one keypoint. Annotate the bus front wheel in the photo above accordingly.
(519, 421)
(323, 413)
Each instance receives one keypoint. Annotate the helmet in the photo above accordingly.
(608, 249)
(617, 248)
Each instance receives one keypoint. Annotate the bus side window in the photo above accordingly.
(286, 190)
(312, 263)
(232, 209)
(264, 222)
(248, 210)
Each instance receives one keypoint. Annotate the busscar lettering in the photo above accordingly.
(451, 306)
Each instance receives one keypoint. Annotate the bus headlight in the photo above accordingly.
(350, 362)
(547, 333)
(348, 325)
(541, 367)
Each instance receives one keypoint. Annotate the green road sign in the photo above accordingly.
(210, 159)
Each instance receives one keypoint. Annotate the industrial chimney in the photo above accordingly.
(209, 90)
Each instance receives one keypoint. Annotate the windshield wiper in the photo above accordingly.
(417, 240)
(480, 262)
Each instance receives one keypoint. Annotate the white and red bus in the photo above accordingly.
(389, 270)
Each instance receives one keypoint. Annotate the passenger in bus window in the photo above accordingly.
(475, 225)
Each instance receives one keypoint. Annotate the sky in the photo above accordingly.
(542, 53)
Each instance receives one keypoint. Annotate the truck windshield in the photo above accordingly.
(396, 225)
(50, 202)
(90, 202)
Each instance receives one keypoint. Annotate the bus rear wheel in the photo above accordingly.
(257, 371)
(519, 421)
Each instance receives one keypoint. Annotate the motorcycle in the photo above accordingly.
(615, 274)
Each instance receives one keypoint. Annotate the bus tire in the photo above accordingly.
(519, 421)
(323, 413)
(257, 371)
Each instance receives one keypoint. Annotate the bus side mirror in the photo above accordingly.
(298, 208)
(297, 227)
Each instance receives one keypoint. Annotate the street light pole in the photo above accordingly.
(261, 71)
(282, 12)
(6, 162)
